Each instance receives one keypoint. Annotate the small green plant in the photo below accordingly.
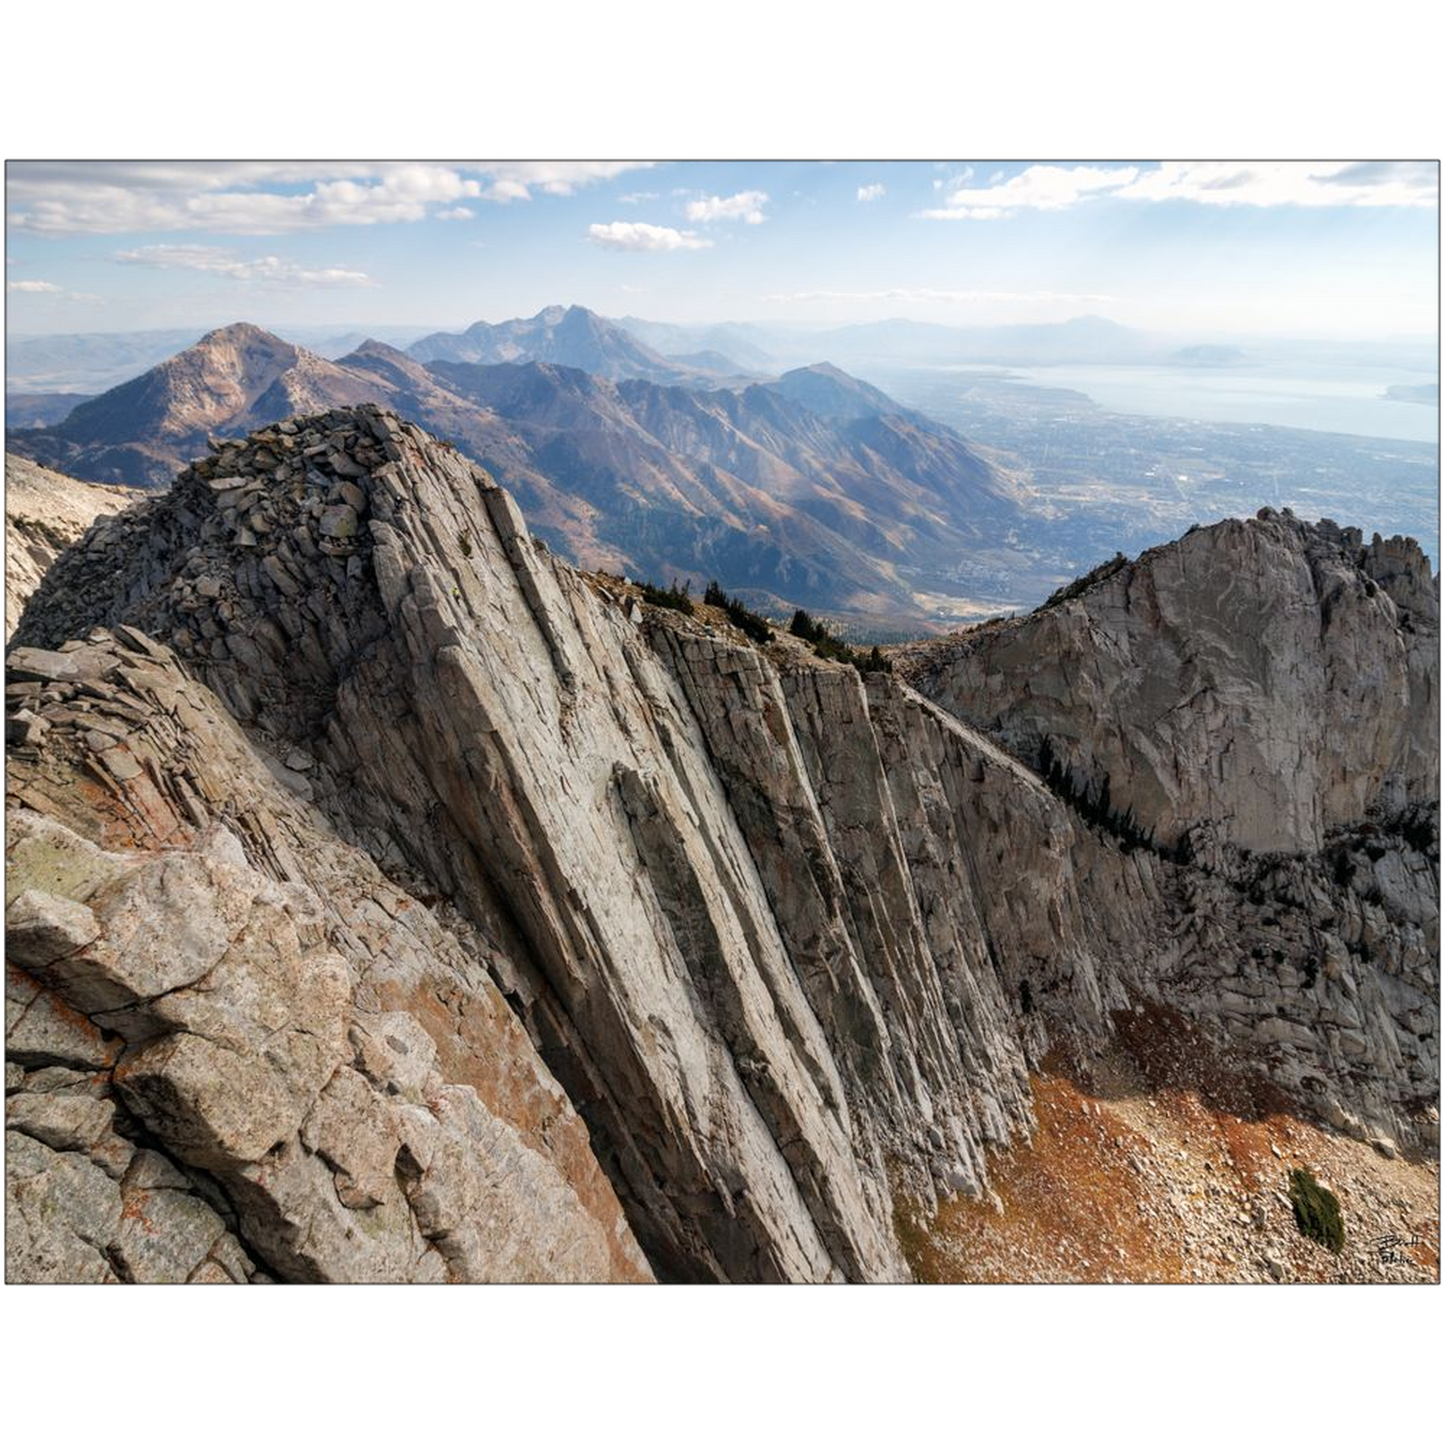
(1316, 1211)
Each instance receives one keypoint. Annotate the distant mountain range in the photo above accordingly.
(814, 490)
(727, 354)
(735, 339)
(1426, 394)
(574, 336)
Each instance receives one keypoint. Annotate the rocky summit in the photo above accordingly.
(389, 900)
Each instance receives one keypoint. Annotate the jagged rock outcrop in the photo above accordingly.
(1270, 679)
(789, 938)
(44, 513)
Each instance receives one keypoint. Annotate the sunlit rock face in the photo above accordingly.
(1271, 679)
(568, 937)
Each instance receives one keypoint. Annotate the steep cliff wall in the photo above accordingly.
(1271, 678)
(788, 938)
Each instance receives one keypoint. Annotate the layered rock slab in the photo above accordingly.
(788, 939)
(205, 979)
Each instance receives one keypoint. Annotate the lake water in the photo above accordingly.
(1324, 398)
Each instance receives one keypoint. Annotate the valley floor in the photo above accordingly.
(1150, 1164)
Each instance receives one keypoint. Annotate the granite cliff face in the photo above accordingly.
(1268, 680)
(787, 939)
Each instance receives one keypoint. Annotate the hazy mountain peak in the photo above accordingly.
(562, 335)
(232, 378)
(372, 347)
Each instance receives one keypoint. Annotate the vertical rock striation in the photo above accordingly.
(44, 513)
(788, 938)
(294, 1052)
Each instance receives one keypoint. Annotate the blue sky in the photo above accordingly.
(1304, 249)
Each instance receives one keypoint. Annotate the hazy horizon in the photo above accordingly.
(279, 325)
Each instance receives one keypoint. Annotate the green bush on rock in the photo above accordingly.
(1316, 1211)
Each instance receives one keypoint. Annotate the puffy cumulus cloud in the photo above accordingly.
(267, 270)
(456, 213)
(640, 236)
(263, 198)
(875, 192)
(1290, 183)
(746, 206)
(1037, 188)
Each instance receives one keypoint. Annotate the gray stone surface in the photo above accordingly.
(1269, 678)
(226, 1004)
(788, 939)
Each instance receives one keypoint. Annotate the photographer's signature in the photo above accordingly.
(1390, 1248)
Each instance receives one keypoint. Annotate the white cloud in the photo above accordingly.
(640, 236)
(1290, 183)
(49, 288)
(955, 178)
(875, 192)
(269, 270)
(636, 198)
(242, 198)
(506, 189)
(1038, 188)
(1209, 183)
(456, 213)
(745, 206)
(555, 178)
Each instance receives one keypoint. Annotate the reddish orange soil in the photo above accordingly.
(1161, 1160)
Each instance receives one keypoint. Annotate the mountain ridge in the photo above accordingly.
(794, 505)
